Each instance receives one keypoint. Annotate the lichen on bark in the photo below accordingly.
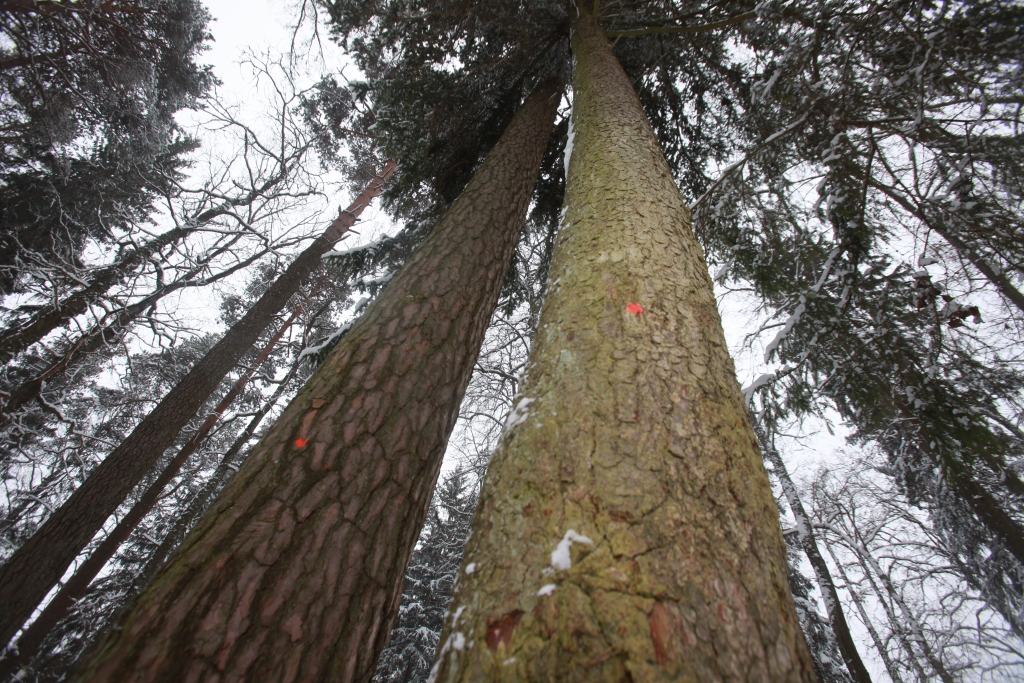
(630, 449)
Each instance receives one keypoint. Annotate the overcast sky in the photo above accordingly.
(259, 25)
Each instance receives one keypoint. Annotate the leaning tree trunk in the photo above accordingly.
(74, 588)
(627, 529)
(229, 463)
(34, 568)
(830, 596)
(296, 571)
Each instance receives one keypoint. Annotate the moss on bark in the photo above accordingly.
(627, 529)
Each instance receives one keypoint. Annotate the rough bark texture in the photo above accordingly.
(830, 596)
(202, 500)
(296, 572)
(75, 587)
(34, 568)
(631, 432)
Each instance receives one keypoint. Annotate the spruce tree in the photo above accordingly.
(90, 90)
(28, 575)
(324, 513)
(432, 573)
(627, 529)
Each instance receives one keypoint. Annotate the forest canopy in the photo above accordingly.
(855, 176)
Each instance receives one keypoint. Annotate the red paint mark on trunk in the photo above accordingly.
(634, 307)
(499, 631)
(300, 442)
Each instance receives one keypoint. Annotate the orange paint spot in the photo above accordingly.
(300, 442)
(634, 307)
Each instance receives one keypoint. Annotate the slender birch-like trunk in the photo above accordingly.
(627, 529)
(37, 566)
(296, 571)
(830, 596)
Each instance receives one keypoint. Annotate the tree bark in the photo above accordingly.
(75, 587)
(830, 596)
(296, 571)
(34, 568)
(198, 505)
(627, 530)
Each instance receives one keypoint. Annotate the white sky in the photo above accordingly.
(262, 25)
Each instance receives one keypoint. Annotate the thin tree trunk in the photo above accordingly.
(871, 569)
(34, 568)
(829, 594)
(890, 666)
(29, 642)
(15, 341)
(627, 530)
(307, 545)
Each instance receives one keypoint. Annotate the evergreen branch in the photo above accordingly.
(750, 155)
(648, 30)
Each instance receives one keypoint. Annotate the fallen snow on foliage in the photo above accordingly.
(547, 589)
(354, 250)
(470, 568)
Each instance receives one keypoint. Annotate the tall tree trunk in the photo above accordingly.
(296, 571)
(197, 506)
(627, 529)
(34, 568)
(830, 596)
(75, 587)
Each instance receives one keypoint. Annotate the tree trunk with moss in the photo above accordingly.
(296, 572)
(627, 529)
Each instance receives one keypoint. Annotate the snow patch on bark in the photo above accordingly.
(518, 415)
(560, 556)
(569, 139)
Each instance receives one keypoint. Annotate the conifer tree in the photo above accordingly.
(429, 580)
(322, 517)
(28, 575)
(627, 529)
